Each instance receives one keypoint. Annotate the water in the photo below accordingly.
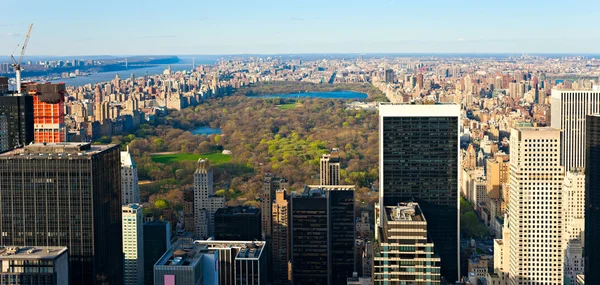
(206, 131)
(347, 95)
(185, 63)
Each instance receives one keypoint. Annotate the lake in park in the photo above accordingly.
(206, 130)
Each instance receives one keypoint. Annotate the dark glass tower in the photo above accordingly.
(419, 163)
(66, 194)
(237, 224)
(323, 235)
(157, 240)
(17, 113)
(592, 200)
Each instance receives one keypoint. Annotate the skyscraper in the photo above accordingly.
(133, 244)
(323, 233)
(205, 201)
(534, 209)
(569, 110)
(271, 184)
(48, 111)
(16, 116)
(157, 240)
(592, 200)
(418, 162)
(279, 239)
(237, 223)
(66, 194)
(403, 237)
(187, 262)
(130, 190)
(330, 168)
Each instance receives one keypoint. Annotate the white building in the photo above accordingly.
(535, 207)
(569, 108)
(130, 190)
(133, 244)
(205, 201)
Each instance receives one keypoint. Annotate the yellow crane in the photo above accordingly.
(17, 64)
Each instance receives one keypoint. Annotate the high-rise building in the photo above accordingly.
(157, 240)
(323, 234)
(205, 201)
(568, 113)
(16, 118)
(535, 207)
(403, 253)
(390, 76)
(66, 194)
(271, 184)
(240, 262)
(187, 262)
(237, 223)
(188, 210)
(48, 111)
(592, 200)
(34, 265)
(280, 239)
(418, 162)
(130, 190)
(133, 244)
(573, 202)
(330, 168)
(3, 84)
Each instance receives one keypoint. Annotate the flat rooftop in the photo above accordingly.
(183, 253)
(246, 249)
(57, 150)
(31, 252)
(404, 212)
(320, 191)
(239, 210)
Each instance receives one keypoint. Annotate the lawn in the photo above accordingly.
(287, 106)
(215, 158)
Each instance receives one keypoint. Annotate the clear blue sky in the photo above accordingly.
(131, 27)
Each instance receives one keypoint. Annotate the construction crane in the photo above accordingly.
(16, 65)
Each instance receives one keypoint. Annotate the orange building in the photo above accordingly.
(48, 111)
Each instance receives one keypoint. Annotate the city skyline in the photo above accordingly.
(236, 27)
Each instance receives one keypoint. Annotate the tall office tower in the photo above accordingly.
(330, 168)
(187, 263)
(34, 265)
(157, 240)
(535, 207)
(403, 252)
(205, 201)
(569, 108)
(418, 161)
(573, 201)
(390, 77)
(592, 200)
(280, 242)
(497, 174)
(323, 235)
(16, 113)
(3, 84)
(271, 184)
(3, 133)
(66, 194)
(133, 243)
(188, 210)
(48, 111)
(130, 190)
(420, 81)
(237, 223)
(240, 262)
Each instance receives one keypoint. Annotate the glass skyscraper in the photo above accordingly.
(419, 158)
(592, 200)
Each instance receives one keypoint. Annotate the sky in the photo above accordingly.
(183, 27)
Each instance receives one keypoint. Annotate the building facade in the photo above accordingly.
(32, 265)
(271, 184)
(239, 262)
(279, 241)
(205, 201)
(157, 240)
(187, 263)
(130, 189)
(330, 168)
(237, 223)
(48, 111)
(66, 194)
(16, 114)
(535, 245)
(592, 201)
(419, 158)
(323, 234)
(133, 243)
(569, 110)
(404, 254)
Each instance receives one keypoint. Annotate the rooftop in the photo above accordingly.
(31, 252)
(320, 191)
(247, 249)
(239, 210)
(183, 253)
(57, 150)
(404, 212)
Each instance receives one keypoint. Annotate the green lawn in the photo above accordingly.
(287, 106)
(214, 158)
